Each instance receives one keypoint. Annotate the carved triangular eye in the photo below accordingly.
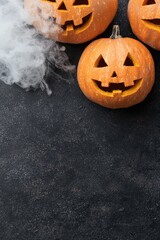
(62, 6)
(149, 2)
(52, 0)
(114, 74)
(81, 2)
(128, 61)
(101, 62)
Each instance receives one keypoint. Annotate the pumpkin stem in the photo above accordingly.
(115, 32)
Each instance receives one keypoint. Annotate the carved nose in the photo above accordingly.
(114, 74)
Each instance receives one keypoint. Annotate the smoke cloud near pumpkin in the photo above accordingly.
(25, 55)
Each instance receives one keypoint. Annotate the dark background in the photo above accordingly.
(70, 169)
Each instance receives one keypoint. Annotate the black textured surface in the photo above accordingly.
(70, 169)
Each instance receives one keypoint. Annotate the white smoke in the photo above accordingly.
(23, 52)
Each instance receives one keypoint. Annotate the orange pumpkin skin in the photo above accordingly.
(116, 73)
(144, 18)
(75, 21)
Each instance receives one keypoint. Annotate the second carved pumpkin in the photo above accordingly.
(71, 21)
(144, 17)
(116, 72)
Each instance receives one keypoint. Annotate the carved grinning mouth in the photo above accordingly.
(69, 25)
(85, 20)
(154, 23)
(118, 87)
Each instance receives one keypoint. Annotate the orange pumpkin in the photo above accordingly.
(144, 17)
(71, 21)
(116, 72)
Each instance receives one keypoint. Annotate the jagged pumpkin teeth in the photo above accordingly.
(80, 20)
(70, 27)
(116, 72)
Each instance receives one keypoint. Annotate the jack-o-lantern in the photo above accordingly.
(71, 21)
(144, 17)
(116, 72)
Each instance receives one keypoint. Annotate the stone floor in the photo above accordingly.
(70, 169)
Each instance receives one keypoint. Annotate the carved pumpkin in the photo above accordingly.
(116, 72)
(71, 21)
(144, 17)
